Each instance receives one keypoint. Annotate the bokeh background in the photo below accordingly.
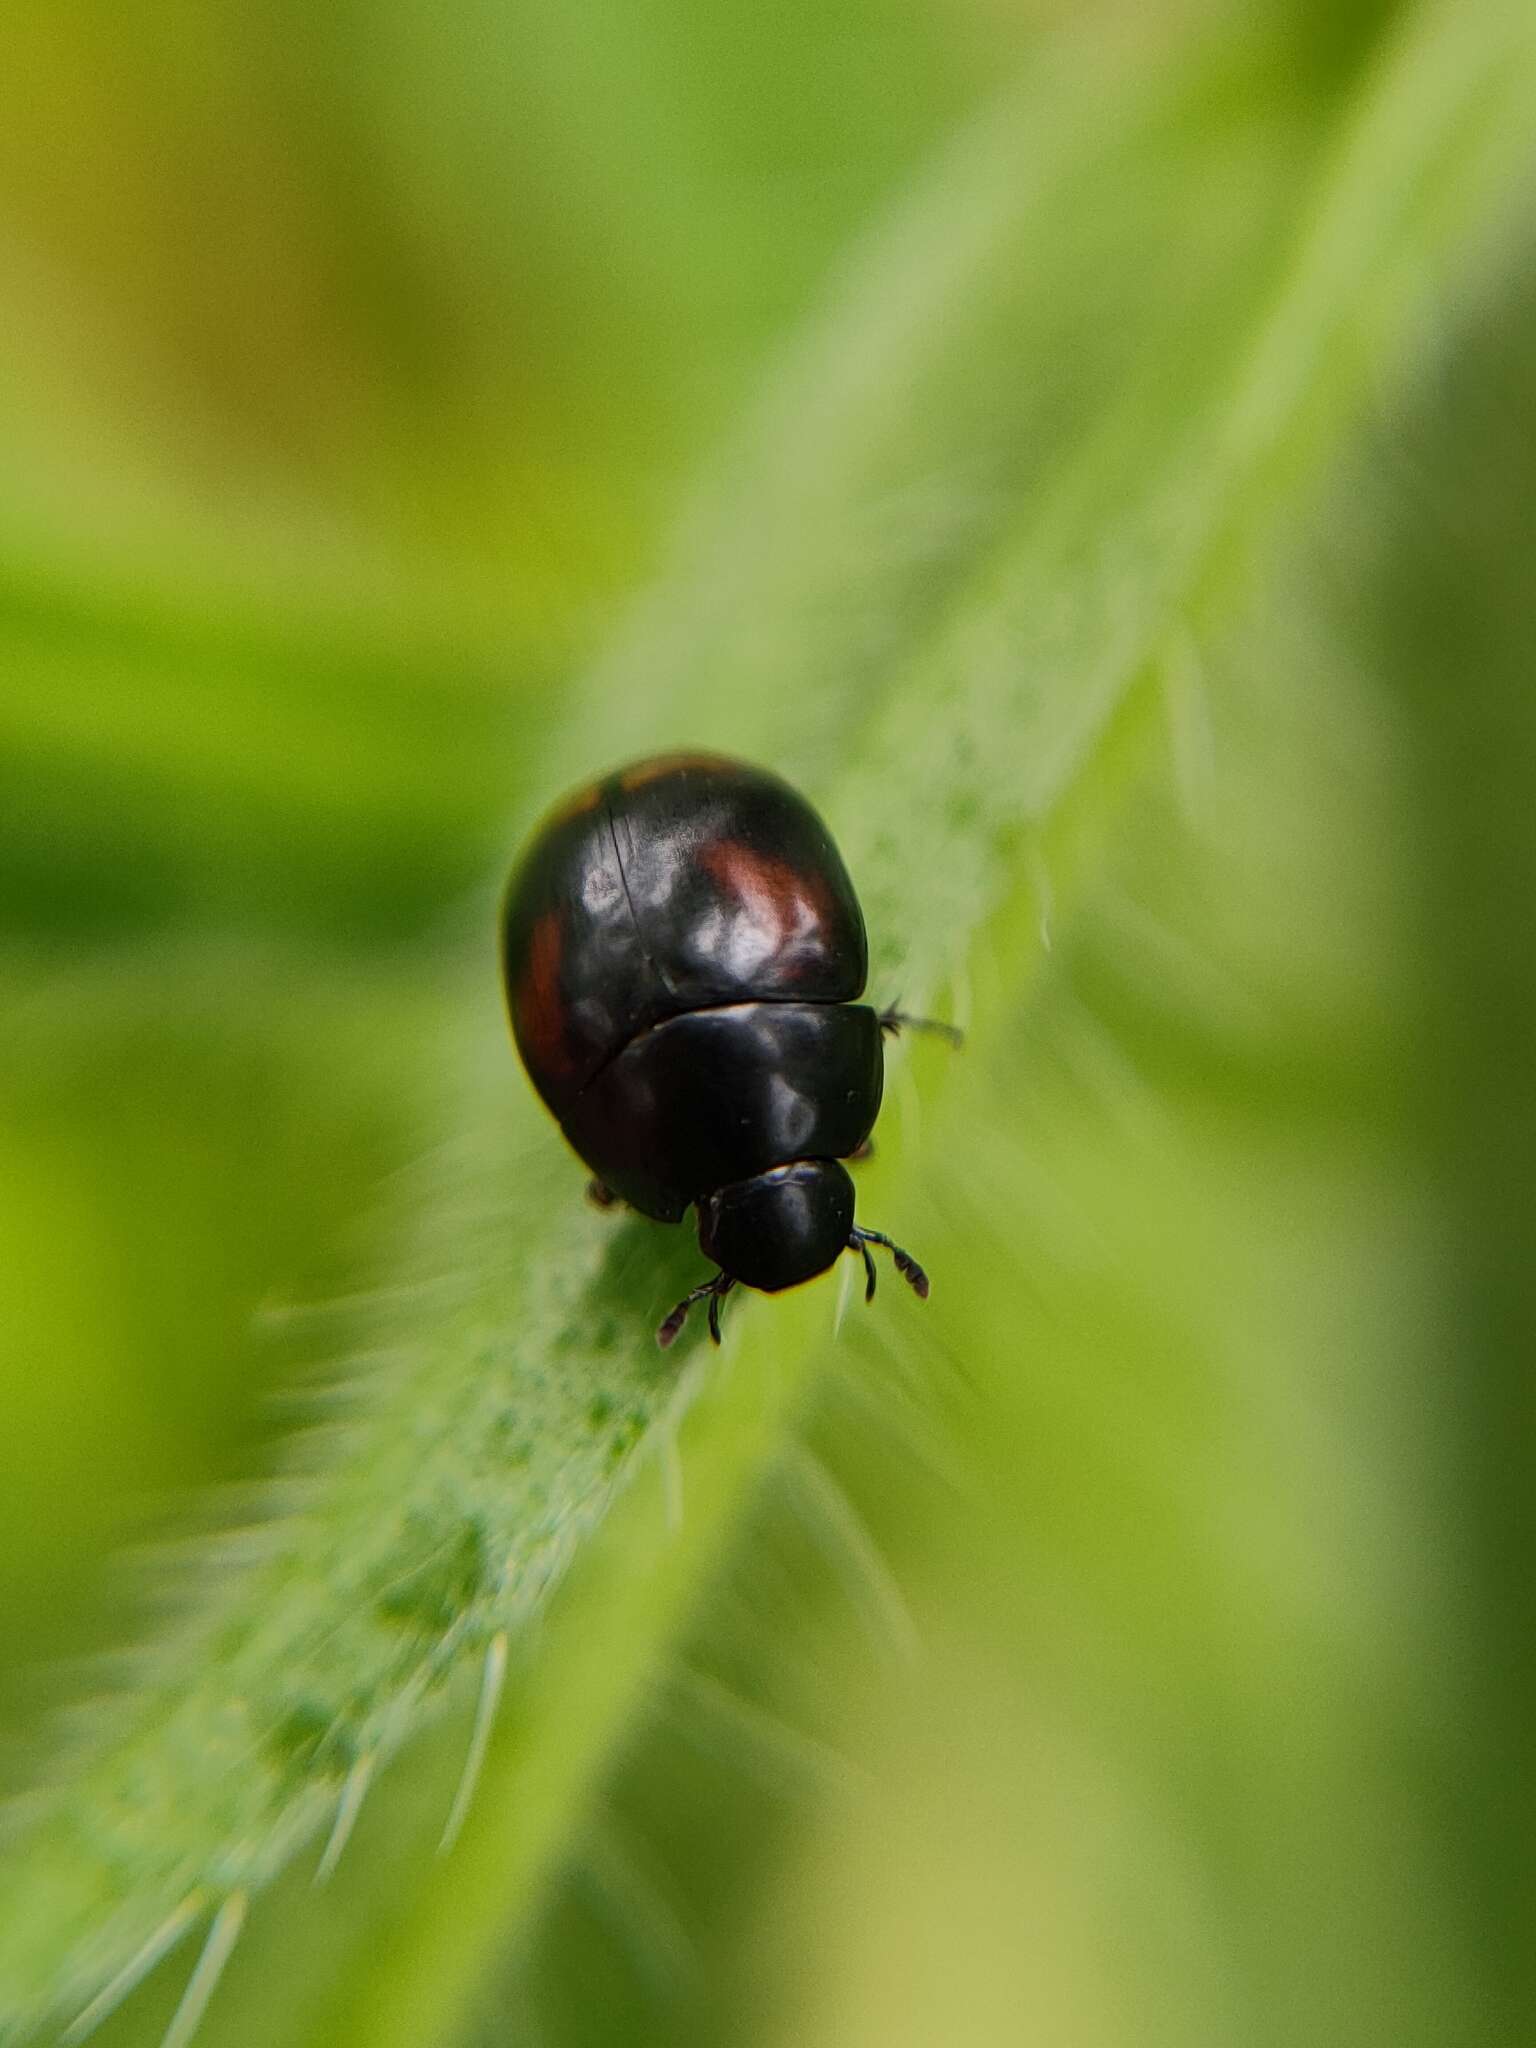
(1151, 1668)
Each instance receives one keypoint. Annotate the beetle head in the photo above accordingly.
(779, 1227)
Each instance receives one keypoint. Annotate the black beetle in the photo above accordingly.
(683, 954)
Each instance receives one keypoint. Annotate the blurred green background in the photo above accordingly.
(1160, 1677)
(354, 359)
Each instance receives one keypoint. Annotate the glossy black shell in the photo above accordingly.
(683, 951)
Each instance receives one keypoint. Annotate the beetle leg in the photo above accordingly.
(894, 1019)
(707, 1290)
(599, 1196)
(856, 1244)
(906, 1265)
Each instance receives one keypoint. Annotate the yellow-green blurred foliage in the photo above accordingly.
(350, 358)
(1149, 1673)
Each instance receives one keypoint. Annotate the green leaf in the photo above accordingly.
(977, 534)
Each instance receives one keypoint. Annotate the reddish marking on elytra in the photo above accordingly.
(783, 908)
(639, 773)
(576, 805)
(540, 1012)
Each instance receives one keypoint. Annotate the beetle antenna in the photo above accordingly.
(906, 1265)
(711, 1290)
(894, 1020)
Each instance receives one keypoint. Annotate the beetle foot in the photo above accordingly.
(714, 1291)
(601, 1197)
(906, 1265)
(894, 1020)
